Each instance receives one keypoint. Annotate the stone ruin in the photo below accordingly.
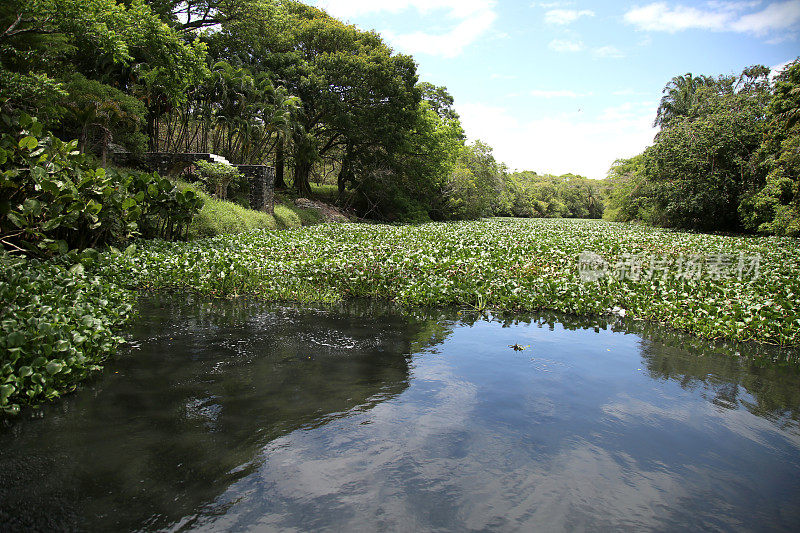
(261, 178)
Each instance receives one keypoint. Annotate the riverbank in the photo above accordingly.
(714, 286)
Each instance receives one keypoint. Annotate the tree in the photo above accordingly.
(98, 112)
(474, 185)
(680, 98)
(629, 195)
(700, 164)
(772, 203)
(356, 96)
(43, 42)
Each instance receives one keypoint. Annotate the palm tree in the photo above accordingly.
(680, 96)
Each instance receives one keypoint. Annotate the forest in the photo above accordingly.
(258, 82)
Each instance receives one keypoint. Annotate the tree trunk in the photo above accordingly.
(344, 174)
(302, 170)
(280, 183)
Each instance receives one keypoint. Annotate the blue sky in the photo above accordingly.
(570, 86)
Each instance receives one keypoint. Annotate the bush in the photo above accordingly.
(52, 199)
(287, 217)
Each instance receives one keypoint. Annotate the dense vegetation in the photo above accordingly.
(259, 82)
(726, 157)
(63, 317)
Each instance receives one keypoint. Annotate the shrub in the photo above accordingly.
(217, 177)
(52, 199)
(286, 217)
(218, 217)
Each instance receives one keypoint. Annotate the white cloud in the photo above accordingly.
(355, 8)
(551, 5)
(777, 16)
(448, 45)
(557, 94)
(562, 45)
(719, 16)
(661, 17)
(776, 69)
(566, 16)
(472, 19)
(576, 142)
(608, 51)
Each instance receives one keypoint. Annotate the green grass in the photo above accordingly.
(219, 217)
(325, 193)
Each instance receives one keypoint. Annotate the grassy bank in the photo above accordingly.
(219, 217)
(518, 264)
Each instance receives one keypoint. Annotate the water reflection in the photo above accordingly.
(186, 413)
(237, 415)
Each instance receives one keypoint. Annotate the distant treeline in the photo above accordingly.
(726, 158)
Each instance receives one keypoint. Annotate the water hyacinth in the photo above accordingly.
(503, 264)
(62, 318)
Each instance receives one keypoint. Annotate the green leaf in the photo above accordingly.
(31, 205)
(17, 338)
(54, 367)
(17, 220)
(25, 121)
(76, 269)
(28, 142)
(6, 391)
(51, 224)
(25, 371)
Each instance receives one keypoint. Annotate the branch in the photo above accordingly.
(10, 30)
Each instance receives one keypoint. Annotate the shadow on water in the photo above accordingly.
(237, 414)
(204, 388)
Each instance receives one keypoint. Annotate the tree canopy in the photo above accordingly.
(723, 160)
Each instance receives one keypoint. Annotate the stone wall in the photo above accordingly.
(165, 163)
(261, 178)
(262, 186)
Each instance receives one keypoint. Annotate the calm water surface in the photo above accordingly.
(238, 415)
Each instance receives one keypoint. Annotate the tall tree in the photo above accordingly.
(680, 96)
(701, 163)
(356, 95)
(772, 204)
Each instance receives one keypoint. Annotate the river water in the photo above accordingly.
(237, 415)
